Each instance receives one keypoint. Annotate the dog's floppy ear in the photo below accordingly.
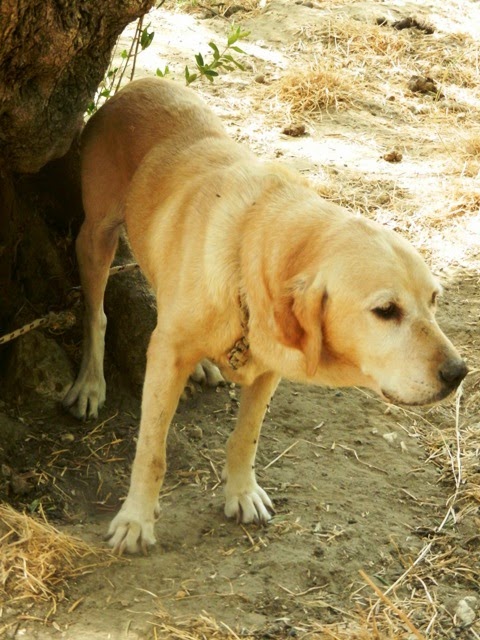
(298, 317)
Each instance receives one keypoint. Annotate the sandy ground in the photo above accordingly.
(357, 485)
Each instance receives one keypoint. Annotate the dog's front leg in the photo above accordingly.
(244, 498)
(132, 529)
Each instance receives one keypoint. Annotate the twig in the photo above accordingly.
(417, 561)
(457, 460)
(280, 455)
(129, 55)
(138, 36)
(403, 616)
(370, 466)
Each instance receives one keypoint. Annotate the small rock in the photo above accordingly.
(413, 23)
(391, 438)
(230, 11)
(19, 483)
(67, 437)
(393, 156)
(383, 198)
(294, 130)
(196, 432)
(6, 471)
(453, 106)
(12, 433)
(39, 365)
(419, 109)
(422, 84)
(465, 612)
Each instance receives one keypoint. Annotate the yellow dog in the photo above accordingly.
(253, 270)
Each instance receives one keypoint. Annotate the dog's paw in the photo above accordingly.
(207, 373)
(131, 532)
(85, 397)
(250, 504)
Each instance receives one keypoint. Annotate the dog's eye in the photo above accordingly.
(390, 311)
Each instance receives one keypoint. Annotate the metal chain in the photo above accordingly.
(61, 320)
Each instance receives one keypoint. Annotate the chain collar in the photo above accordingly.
(240, 352)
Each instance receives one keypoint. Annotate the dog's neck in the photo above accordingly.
(240, 352)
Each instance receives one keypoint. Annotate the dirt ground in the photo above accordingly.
(357, 485)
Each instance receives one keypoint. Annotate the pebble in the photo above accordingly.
(465, 612)
(390, 437)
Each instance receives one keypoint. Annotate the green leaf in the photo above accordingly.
(216, 52)
(190, 77)
(210, 73)
(146, 38)
(199, 59)
(239, 65)
(124, 54)
(238, 50)
(33, 506)
(237, 34)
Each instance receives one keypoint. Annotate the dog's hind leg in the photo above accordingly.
(103, 190)
(96, 245)
(206, 372)
(244, 498)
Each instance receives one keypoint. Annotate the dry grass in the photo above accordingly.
(37, 561)
(467, 147)
(454, 449)
(466, 202)
(365, 63)
(472, 145)
(318, 88)
(205, 627)
(201, 627)
(213, 7)
(350, 38)
(453, 59)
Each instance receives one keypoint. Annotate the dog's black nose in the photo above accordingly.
(452, 372)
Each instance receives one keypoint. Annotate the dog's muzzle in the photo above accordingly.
(451, 373)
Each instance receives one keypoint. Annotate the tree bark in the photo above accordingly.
(53, 55)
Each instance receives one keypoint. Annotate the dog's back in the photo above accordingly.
(117, 138)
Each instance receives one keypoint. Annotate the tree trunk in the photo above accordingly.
(53, 55)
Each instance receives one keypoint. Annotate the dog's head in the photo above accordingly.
(363, 313)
